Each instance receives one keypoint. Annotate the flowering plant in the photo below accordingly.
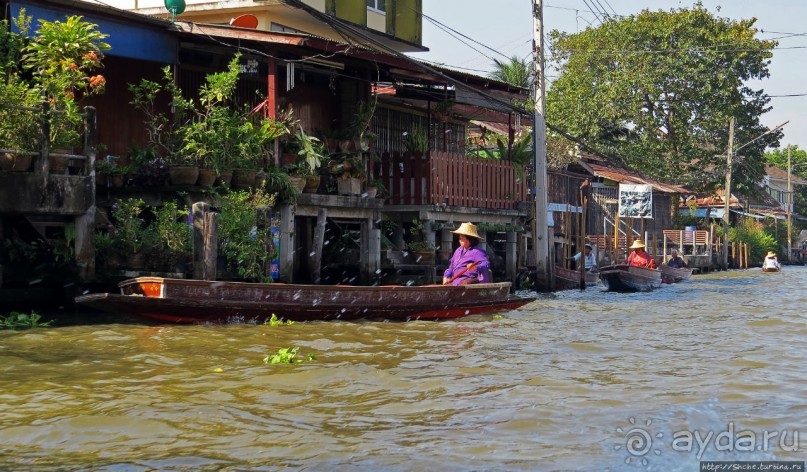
(62, 57)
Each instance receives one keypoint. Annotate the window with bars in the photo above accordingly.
(392, 126)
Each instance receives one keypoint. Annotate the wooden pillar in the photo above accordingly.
(286, 269)
(446, 244)
(198, 211)
(510, 257)
(319, 242)
(211, 245)
(265, 226)
(374, 258)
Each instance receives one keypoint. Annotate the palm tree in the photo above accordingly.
(517, 72)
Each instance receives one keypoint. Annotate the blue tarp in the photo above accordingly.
(126, 39)
(701, 212)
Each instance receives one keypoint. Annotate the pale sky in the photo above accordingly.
(506, 26)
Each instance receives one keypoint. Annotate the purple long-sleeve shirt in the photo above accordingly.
(460, 260)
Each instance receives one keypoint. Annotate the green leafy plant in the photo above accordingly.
(753, 233)
(310, 152)
(279, 181)
(163, 132)
(275, 321)
(418, 232)
(173, 235)
(130, 225)
(62, 57)
(242, 241)
(417, 140)
(17, 320)
(378, 184)
(286, 356)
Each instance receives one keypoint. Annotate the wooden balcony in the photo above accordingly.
(450, 179)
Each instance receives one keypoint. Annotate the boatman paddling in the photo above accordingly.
(640, 258)
(469, 264)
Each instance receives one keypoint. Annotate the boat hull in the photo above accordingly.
(196, 301)
(671, 275)
(624, 278)
(567, 279)
(771, 269)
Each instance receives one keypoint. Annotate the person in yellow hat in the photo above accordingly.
(771, 263)
(470, 263)
(639, 257)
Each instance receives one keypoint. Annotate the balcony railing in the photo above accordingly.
(451, 179)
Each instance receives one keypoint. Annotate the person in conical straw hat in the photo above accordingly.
(638, 257)
(470, 263)
(771, 263)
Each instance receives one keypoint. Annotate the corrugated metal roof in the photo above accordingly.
(599, 167)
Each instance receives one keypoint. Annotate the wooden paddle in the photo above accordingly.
(466, 269)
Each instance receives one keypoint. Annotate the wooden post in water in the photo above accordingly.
(198, 211)
(319, 242)
(264, 226)
(211, 239)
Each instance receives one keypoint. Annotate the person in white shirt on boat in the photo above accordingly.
(675, 260)
(589, 258)
(771, 262)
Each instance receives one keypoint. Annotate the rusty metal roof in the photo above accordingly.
(599, 167)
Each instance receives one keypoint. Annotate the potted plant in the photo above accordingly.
(20, 130)
(360, 124)
(279, 182)
(422, 249)
(165, 135)
(350, 170)
(375, 188)
(310, 155)
(62, 57)
(130, 228)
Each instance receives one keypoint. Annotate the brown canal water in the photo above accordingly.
(574, 381)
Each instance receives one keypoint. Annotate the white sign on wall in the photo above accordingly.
(635, 201)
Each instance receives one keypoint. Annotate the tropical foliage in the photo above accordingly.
(62, 58)
(17, 320)
(246, 244)
(656, 91)
(519, 72)
(753, 233)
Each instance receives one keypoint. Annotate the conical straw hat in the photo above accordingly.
(637, 244)
(468, 229)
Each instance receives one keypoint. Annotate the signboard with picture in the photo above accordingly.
(635, 201)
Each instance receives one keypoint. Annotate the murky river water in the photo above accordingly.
(574, 381)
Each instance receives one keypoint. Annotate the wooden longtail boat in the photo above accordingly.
(625, 278)
(566, 279)
(672, 275)
(195, 301)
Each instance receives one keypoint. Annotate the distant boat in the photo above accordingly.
(771, 269)
(626, 278)
(567, 279)
(671, 275)
(196, 301)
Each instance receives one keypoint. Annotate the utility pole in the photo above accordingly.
(540, 243)
(727, 197)
(789, 203)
